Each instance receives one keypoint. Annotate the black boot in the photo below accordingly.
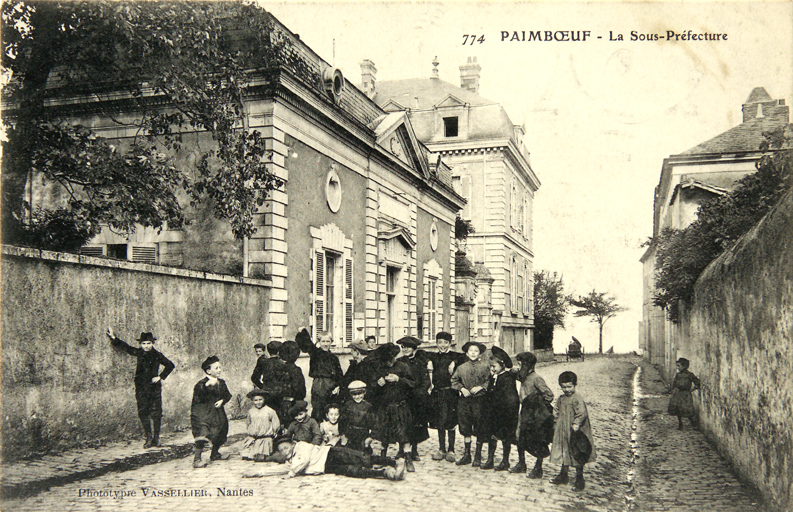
(491, 455)
(409, 463)
(504, 464)
(146, 430)
(477, 454)
(155, 437)
(197, 462)
(561, 478)
(579, 478)
(520, 467)
(215, 455)
(537, 471)
(466, 458)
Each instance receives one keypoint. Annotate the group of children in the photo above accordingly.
(392, 399)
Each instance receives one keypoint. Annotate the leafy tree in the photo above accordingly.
(179, 66)
(600, 307)
(550, 307)
(682, 255)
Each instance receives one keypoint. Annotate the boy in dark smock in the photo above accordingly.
(148, 382)
(392, 384)
(443, 398)
(500, 408)
(324, 368)
(470, 380)
(207, 414)
(295, 381)
(356, 423)
(418, 361)
(536, 416)
(261, 364)
(303, 427)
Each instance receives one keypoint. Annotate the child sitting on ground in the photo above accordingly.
(330, 427)
(263, 425)
(571, 417)
(307, 459)
(304, 427)
(356, 420)
(681, 404)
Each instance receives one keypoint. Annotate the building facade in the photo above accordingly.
(490, 168)
(687, 179)
(359, 240)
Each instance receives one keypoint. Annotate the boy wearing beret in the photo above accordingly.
(148, 382)
(470, 380)
(303, 427)
(500, 408)
(207, 414)
(443, 398)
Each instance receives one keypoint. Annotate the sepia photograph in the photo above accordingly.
(400, 256)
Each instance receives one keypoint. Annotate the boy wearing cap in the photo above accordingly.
(500, 408)
(303, 427)
(419, 363)
(207, 415)
(355, 421)
(443, 398)
(470, 380)
(148, 382)
(324, 368)
(308, 459)
(358, 369)
(262, 427)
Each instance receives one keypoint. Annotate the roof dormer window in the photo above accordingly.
(450, 127)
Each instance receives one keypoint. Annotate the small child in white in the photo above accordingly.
(263, 425)
(330, 427)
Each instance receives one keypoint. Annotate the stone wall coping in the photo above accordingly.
(79, 259)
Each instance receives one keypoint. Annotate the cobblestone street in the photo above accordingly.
(676, 470)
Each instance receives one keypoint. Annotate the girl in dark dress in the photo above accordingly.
(501, 405)
(418, 361)
(536, 416)
(207, 415)
(682, 404)
(392, 382)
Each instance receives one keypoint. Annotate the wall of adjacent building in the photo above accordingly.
(737, 335)
(64, 386)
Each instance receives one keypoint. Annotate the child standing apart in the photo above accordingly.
(682, 404)
(442, 397)
(500, 408)
(470, 380)
(572, 416)
(207, 415)
(356, 420)
(263, 425)
(330, 427)
(148, 382)
(536, 416)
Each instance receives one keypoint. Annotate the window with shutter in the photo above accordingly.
(144, 254)
(348, 301)
(95, 250)
(319, 292)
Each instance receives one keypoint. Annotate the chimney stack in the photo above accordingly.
(368, 73)
(469, 75)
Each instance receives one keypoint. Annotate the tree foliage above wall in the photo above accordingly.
(183, 66)
(683, 254)
(550, 307)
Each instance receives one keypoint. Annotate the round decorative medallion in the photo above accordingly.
(434, 235)
(333, 190)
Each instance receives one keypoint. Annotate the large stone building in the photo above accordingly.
(360, 240)
(490, 169)
(689, 178)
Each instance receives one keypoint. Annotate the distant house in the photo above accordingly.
(689, 178)
(360, 240)
(491, 170)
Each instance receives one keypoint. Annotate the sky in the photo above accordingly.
(600, 115)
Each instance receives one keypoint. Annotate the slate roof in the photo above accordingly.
(742, 138)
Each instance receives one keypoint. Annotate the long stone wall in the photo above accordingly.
(738, 335)
(64, 386)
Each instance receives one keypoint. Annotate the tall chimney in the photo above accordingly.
(368, 73)
(469, 75)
